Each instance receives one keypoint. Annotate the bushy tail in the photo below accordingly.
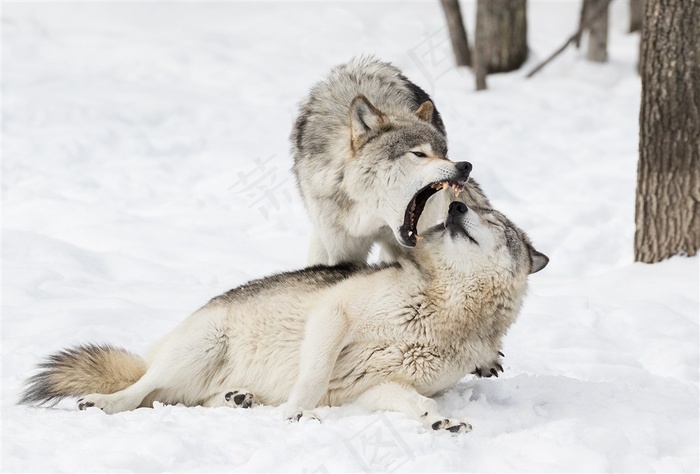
(83, 370)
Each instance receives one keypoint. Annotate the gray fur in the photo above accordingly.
(354, 144)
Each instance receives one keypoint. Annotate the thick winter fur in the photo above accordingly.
(365, 142)
(84, 369)
(388, 336)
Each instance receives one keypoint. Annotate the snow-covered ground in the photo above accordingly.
(145, 169)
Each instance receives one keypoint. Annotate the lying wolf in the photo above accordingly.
(387, 336)
(369, 151)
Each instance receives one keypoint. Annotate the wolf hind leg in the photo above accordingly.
(157, 379)
(396, 397)
(124, 400)
(237, 398)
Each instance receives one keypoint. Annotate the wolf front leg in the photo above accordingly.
(344, 248)
(240, 398)
(324, 337)
(318, 255)
(397, 397)
(389, 251)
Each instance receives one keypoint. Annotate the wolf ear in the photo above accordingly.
(425, 111)
(539, 261)
(365, 119)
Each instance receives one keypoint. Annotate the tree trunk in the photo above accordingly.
(636, 15)
(501, 34)
(458, 34)
(581, 22)
(598, 32)
(668, 176)
(640, 58)
(479, 71)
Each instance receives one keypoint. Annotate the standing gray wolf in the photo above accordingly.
(369, 151)
(387, 336)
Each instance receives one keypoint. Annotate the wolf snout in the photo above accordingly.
(463, 169)
(457, 208)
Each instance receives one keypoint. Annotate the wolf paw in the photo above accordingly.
(107, 403)
(490, 369)
(294, 414)
(453, 426)
(83, 405)
(239, 399)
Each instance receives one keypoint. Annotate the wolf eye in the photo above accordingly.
(419, 154)
(494, 223)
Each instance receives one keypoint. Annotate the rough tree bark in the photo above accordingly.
(668, 175)
(500, 43)
(598, 31)
(458, 34)
(636, 15)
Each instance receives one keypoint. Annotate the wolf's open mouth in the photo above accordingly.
(408, 231)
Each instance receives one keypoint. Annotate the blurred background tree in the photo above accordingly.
(594, 20)
(636, 15)
(500, 43)
(458, 33)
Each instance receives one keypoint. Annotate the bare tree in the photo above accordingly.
(636, 15)
(458, 34)
(587, 17)
(582, 26)
(597, 31)
(500, 43)
(668, 176)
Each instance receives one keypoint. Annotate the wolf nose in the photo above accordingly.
(464, 168)
(457, 208)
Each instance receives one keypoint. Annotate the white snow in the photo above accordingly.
(145, 169)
